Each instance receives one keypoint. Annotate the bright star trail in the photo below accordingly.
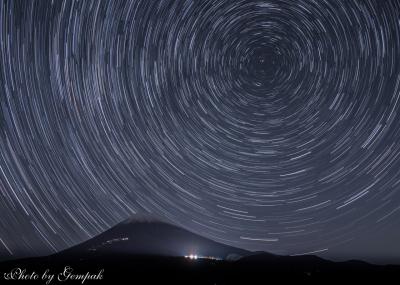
(269, 125)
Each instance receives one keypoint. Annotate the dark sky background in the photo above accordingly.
(268, 125)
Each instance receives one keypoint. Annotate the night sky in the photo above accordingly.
(268, 125)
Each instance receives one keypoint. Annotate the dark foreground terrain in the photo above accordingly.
(148, 251)
(257, 269)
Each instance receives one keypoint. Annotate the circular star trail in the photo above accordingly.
(269, 125)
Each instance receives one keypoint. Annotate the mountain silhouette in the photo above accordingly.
(146, 235)
(147, 250)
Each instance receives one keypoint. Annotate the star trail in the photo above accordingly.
(268, 125)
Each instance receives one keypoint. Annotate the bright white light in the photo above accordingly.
(195, 256)
(192, 256)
